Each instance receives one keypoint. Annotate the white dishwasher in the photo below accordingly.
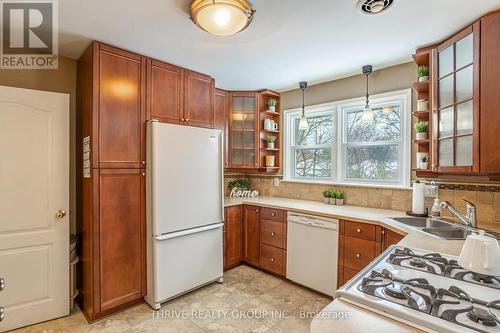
(312, 252)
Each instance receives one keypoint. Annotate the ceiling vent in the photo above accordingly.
(372, 7)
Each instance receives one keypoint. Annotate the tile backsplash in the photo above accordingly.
(487, 199)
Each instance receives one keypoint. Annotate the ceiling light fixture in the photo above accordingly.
(222, 17)
(303, 123)
(367, 112)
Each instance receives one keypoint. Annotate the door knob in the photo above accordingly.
(358, 230)
(358, 255)
(2, 313)
(272, 234)
(60, 214)
(272, 259)
(2, 284)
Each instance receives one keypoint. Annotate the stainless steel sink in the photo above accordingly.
(449, 233)
(423, 222)
(440, 228)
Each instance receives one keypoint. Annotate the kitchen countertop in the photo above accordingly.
(359, 319)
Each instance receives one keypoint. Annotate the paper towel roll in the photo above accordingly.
(418, 206)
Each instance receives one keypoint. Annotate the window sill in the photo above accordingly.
(332, 183)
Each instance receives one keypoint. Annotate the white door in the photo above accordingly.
(34, 176)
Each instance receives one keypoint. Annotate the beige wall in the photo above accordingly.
(384, 80)
(61, 80)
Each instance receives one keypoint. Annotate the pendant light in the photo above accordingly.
(222, 17)
(367, 112)
(303, 124)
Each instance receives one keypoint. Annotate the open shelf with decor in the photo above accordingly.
(422, 116)
(269, 138)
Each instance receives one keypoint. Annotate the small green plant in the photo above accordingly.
(239, 183)
(339, 195)
(271, 139)
(424, 159)
(272, 102)
(326, 194)
(422, 127)
(422, 71)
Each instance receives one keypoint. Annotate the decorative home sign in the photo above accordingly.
(243, 193)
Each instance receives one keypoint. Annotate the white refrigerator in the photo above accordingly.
(184, 197)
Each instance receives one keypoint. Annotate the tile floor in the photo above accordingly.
(248, 301)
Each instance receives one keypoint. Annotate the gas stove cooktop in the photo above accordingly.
(427, 290)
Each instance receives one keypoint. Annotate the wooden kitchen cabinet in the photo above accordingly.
(165, 92)
(359, 244)
(389, 238)
(111, 101)
(119, 97)
(251, 235)
(273, 237)
(121, 237)
(198, 99)
(234, 236)
(489, 135)
(180, 96)
(464, 96)
(221, 118)
(456, 108)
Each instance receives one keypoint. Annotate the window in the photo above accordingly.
(311, 150)
(339, 147)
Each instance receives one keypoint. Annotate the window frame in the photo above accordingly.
(339, 147)
(290, 148)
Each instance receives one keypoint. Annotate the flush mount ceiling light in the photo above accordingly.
(367, 112)
(303, 123)
(371, 7)
(221, 17)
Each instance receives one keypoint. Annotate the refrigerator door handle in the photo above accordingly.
(188, 232)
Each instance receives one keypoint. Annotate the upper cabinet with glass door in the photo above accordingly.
(456, 109)
(243, 126)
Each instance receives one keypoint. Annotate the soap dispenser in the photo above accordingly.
(436, 208)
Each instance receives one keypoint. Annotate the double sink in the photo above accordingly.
(441, 228)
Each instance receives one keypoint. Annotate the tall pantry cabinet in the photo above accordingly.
(111, 99)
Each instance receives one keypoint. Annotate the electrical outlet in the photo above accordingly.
(276, 182)
(431, 190)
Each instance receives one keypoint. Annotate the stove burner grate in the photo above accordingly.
(395, 290)
(481, 316)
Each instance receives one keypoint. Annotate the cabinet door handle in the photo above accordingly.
(358, 255)
(143, 174)
(256, 210)
(143, 162)
(273, 214)
(187, 119)
(272, 234)
(383, 232)
(358, 230)
(2, 284)
(272, 259)
(182, 119)
(2, 313)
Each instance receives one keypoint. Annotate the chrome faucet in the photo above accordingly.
(470, 217)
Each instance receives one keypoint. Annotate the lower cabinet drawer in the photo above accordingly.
(358, 253)
(348, 274)
(272, 259)
(272, 233)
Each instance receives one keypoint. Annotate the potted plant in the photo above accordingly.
(339, 198)
(271, 103)
(240, 184)
(326, 196)
(270, 141)
(421, 129)
(423, 73)
(332, 197)
(424, 162)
